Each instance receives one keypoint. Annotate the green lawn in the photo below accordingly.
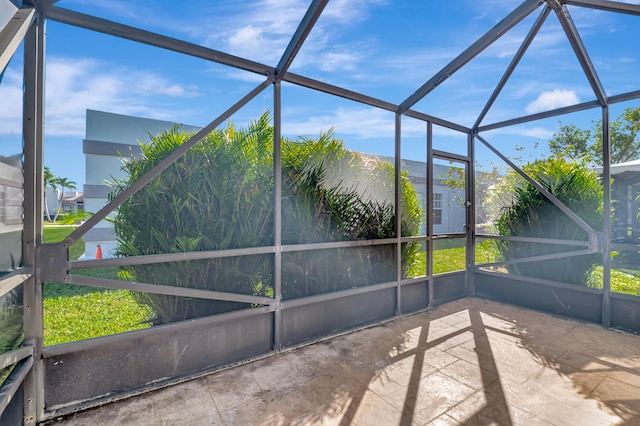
(74, 312)
(626, 281)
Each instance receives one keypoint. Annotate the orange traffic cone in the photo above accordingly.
(98, 252)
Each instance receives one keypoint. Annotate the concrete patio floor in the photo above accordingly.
(470, 362)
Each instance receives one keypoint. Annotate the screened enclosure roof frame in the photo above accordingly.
(280, 73)
(31, 16)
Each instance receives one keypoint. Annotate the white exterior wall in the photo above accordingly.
(110, 139)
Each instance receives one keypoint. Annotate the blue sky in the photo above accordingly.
(382, 48)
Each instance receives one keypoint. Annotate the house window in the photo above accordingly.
(437, 209)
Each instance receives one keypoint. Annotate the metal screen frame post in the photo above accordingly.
(33, 128)
(429, 212)
(471, 216)
(277, 215)
(398, 208)
(606, 218)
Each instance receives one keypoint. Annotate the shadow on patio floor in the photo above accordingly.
(470, 362)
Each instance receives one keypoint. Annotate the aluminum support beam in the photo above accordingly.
(540, 258)
(623, 97)
(398, 208)
(606, 218)
(14, 279)
(13, 34)
(435, 120)
(162, 165)
(566, 210)
(609, 6)
(12, 385)
(168, 257)
(367, 100)
(471, 215)
(104, 26)
(338, 91)
(541, 115)
(511, 20)
(17, 355)
(514, 63)
(166, 290)
(578, 47)
(308, 21)
(554, 241)
(557, 284)
(33, 133)
(318, 298)
(429, 212)
(277, 213)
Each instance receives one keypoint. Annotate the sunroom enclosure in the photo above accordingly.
(43, 380)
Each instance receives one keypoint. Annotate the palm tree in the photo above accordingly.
(64, 184)
(49, 180)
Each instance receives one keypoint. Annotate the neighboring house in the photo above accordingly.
(110, 140)
(72, 202)
(625, 197)
(11, 198)
(448, 203)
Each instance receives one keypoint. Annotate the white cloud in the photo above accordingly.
(76, 84)
(261, 31)
(358, 122)
(11, 105)
(553, 99)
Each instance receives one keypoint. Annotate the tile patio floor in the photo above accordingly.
(470, 362)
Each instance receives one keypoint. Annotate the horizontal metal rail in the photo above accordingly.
(623, 296)
(541, 115)
(336, 295)
(538, 258)
(424, 279)
(534, 240)
(13, 382)
(13, 279)
(166, 290)
(531, 280)
(158, 330)
(622, 246)
(448, 236)
(623, 97)
(443, 155)
(215, 254)
(168, 257)
(435, 120)
(16, 355)
(609, 6)
(338, 244)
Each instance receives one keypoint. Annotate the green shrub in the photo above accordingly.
(531, 214)
(220, 195)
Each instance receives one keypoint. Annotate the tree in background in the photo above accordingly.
(63, 183)
(220, 195)
(49, 181)
(583, 144)
(531, 214)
